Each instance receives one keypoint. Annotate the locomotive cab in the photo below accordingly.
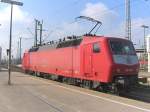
(125, 63)
(110, 61)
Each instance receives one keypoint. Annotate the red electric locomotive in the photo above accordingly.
(91, 61)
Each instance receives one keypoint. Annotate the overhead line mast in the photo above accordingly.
(128, 27)
(36, 25)
(128, 19)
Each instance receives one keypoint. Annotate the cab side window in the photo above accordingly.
(96, 47)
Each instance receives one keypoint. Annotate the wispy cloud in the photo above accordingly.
(112, 25)
(20, 21)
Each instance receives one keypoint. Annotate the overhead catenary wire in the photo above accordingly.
(75, 2)
(55, 29)
(133, 23)
(102, 14)
(58, 12)
(146, 4)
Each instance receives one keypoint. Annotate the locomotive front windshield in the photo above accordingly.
(122, 47)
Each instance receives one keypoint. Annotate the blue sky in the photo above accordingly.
(68, 9)
(59, 13)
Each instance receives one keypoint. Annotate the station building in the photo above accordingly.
(148, 51)
(144, 55)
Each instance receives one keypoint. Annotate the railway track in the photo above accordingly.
(140, 92)
(13, 68)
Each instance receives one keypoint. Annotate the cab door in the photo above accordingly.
(98, 60)
(87, 58)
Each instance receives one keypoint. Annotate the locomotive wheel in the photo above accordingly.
(38, 74)
(104, 88)
(115, 89)
(87, 84)
(78, 82)
(72, 81)
(26, 71)
(96, 85)
(60, 78)
(31, 72)
(69, 81)
(64, 80)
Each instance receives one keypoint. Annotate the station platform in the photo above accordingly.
(145, 77)
(33, 94)
(144, 74)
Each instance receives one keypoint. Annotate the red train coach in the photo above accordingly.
(93, 61)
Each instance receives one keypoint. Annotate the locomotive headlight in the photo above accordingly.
(121, 81)
(127, 70)
(118, 70)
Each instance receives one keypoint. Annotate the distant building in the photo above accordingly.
(148, 51)
(0, 55)
(148, 43)
(144, 55)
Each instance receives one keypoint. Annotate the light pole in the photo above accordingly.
(20, 42)
(144, 27)
(11, 2)
(20, 47)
